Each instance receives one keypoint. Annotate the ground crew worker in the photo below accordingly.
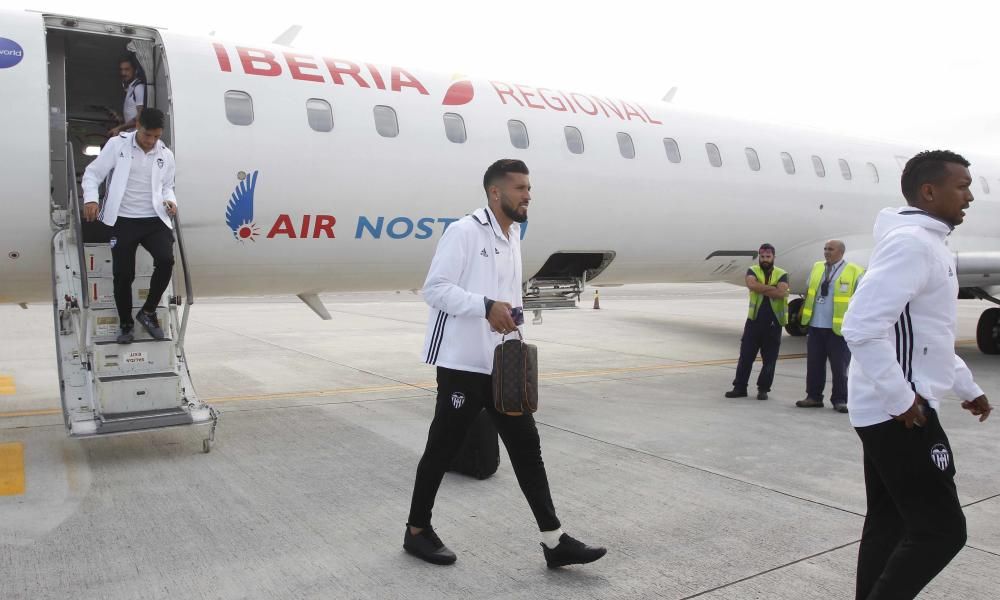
(900, 328)
(831, 285)
(768, 313)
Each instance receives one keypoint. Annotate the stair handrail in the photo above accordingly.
(188, 290)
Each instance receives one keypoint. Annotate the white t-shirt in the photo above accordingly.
(135, 96)
(137, 203)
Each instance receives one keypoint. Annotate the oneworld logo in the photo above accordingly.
(11, 53)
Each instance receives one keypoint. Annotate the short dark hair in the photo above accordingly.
(766, 247)
(500, 168)
(929, 166)
(130, 59)
(151, 118)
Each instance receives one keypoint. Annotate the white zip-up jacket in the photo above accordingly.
(463, 273)
(901, 323)
(117, 156)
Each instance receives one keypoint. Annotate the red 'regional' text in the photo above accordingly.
(306, 67)
(560, 101)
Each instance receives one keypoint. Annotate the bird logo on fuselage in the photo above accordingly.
(239, 211)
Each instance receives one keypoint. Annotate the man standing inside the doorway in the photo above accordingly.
(135, 95)
(138, 206)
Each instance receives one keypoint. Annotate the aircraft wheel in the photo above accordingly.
(988, 331)
(794, 327)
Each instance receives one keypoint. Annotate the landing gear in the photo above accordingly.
(794, 327)
(988, 331)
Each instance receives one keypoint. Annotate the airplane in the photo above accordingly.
(301, 173)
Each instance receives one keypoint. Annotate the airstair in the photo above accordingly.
(109, 388)
(561, 280)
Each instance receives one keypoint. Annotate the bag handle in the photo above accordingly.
(503, 336)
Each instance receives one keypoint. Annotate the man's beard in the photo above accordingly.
(767, 266)
(512, 213)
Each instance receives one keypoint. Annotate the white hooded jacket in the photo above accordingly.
(901, 323)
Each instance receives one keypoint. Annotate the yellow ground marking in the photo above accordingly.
(12, 469)
(7, 387)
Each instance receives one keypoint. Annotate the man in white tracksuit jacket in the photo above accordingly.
(900, 328)
(473, 287)
(139, 203)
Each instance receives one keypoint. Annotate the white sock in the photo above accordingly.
(551, 538)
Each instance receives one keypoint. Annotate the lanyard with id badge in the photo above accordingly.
(824, 288)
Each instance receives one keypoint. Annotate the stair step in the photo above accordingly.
(142, 357)
(139, 392)
(149, 419)
(543, 303)
(99, 262)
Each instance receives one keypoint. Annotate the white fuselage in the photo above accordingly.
(662, 219)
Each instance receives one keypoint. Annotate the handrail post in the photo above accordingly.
(76, 223)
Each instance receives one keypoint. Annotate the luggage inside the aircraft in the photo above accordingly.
(479, 456)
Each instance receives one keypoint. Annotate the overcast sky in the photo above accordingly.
(913, 71)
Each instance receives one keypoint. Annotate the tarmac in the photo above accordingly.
(306, 490)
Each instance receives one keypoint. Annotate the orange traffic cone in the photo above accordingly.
(597, 300)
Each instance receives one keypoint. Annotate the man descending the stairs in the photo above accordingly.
(139, 203)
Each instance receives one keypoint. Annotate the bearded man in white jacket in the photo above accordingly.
(900, 328)
(473, 288)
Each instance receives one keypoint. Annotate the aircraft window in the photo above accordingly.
(385, 121)
(625, 145)
(714, 156)
(786, 159)
(239, 108)
(518, 134)
(874, 172)
(320, 114)
(752, 159)
(673, 151)
(818, 166)
(845, 169)
(574, 139)
(454, 128)
(986, 186)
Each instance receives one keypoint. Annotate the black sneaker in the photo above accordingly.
(761, 395)
(426, 545)
(809, 402)
(735, 393)
(571, 552)
(150, 323)
(840, 407)
(125, 337)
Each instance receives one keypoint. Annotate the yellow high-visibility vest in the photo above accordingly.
(843, 290)
(778, 305)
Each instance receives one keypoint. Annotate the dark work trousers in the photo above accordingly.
(460, 397)
(763, 337)
(822, 345)
(153, 235)
(915, 524)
